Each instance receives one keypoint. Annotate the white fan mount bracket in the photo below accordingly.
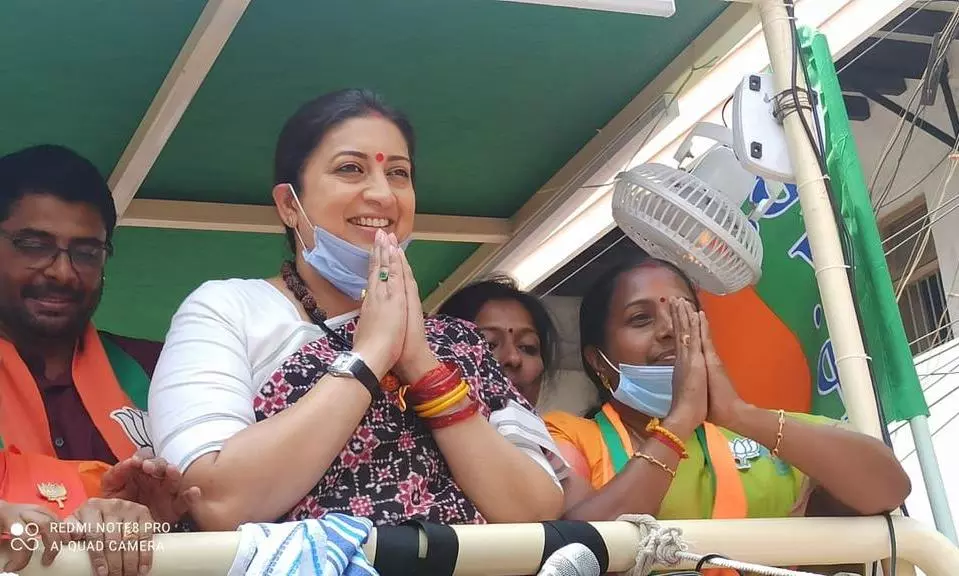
(759, 139)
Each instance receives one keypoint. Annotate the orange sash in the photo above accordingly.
(23, 419)
(730, 498)
(21, 474)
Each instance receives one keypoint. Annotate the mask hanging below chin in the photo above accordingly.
(343, 264)
(646, 389)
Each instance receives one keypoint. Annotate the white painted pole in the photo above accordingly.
(932, 478)
(840, 312)
(830, 266)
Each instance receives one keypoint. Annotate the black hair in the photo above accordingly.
(467, 303)
(304, 131)
(594, 309)
(59, 172)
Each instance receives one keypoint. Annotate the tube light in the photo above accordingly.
(661, 8)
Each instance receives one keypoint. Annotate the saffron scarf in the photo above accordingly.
(106, 380)
(21, 476)
(729, 501)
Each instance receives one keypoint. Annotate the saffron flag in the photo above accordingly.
(773, 336)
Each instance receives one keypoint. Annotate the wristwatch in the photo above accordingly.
(351, 365)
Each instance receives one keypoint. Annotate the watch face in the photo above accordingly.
(342, 364)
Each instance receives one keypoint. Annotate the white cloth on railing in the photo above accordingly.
(332, 546)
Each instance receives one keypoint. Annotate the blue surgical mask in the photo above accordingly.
(346, 266)
(647, 389)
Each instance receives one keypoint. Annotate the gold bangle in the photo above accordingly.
(652, 460)
(451, 400)
(779, 433)
(430, 404)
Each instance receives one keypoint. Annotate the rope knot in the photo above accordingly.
(656, 544)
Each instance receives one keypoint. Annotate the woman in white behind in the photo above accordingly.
(324, 389)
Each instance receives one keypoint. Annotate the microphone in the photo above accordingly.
(571, 560)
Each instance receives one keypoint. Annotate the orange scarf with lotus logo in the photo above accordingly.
(96, 367)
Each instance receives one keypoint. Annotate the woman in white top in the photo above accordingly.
(284, 398)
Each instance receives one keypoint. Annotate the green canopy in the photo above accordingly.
(502, 95)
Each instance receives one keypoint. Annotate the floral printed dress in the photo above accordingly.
(391, 470)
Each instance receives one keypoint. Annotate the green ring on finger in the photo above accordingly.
(383, 275)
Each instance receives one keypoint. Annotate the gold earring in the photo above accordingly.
(605, 381)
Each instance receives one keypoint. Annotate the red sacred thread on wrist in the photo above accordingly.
(670, 443)
(454, 418)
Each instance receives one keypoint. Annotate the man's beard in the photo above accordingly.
(20, 325)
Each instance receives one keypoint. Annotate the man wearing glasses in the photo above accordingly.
(71, 397)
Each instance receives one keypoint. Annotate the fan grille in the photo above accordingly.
(675, 216)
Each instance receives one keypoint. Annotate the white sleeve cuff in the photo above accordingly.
(527, 431)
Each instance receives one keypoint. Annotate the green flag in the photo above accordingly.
(788, 361)
(883, 333)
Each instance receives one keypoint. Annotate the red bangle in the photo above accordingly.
(454, 418)
(434, 376)
(664, 439)
(436, 387)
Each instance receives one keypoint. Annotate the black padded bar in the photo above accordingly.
(397, 550)
(442, 549)
(559, 533)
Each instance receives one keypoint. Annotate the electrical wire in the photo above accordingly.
(945, 210)
(920, 248)
(893, 552)
(885, 36)
(940, 50)
(914, 185)
(848, 253)
(845, 236)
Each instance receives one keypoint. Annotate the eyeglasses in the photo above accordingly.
(41, 251)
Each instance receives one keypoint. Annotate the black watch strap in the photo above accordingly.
(352, 364)
(365, 376)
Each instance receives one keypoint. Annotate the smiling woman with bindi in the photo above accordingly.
(674, 439)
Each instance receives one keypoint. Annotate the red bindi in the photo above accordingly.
(662, 299)
(380, 157)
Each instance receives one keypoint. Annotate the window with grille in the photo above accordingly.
(925, 314)
(923, 305)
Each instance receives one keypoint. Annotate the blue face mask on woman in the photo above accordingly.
(346, 266)
(646, 389)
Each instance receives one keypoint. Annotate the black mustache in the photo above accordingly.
(57, 292)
